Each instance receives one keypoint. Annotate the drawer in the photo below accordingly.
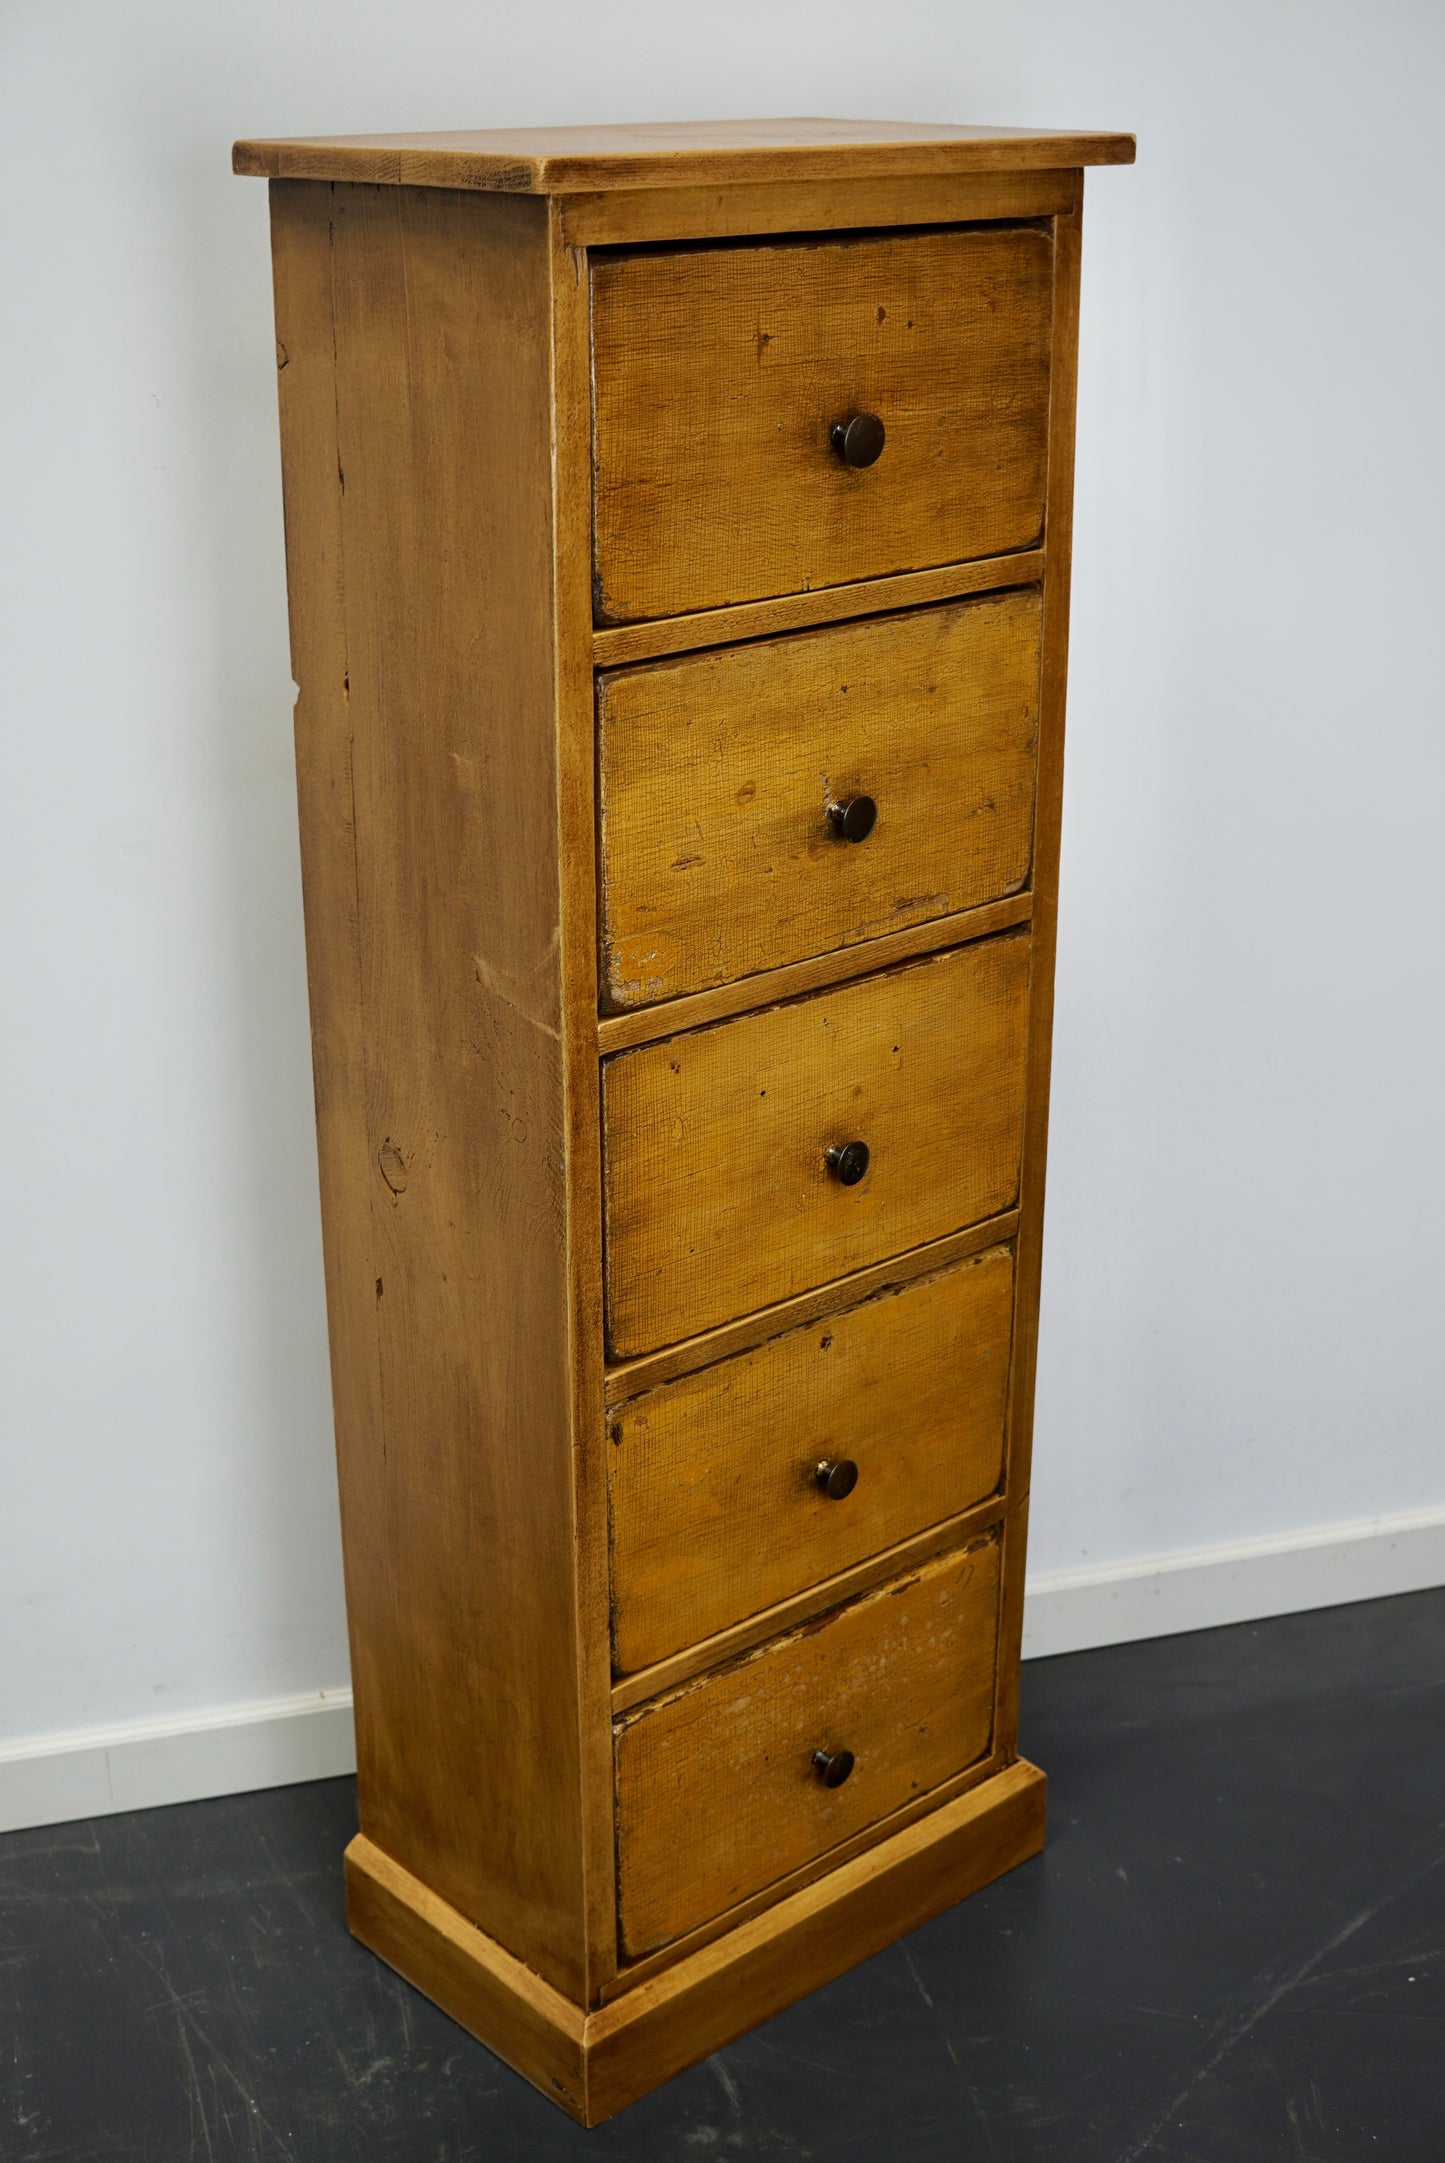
(718, 772)
(719, 1196)
(718, 1795)
(716, 1507)
(719, 373)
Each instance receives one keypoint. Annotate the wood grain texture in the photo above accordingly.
(647, 1024)
(429, 755)
(327, 807)
(717, 771)
(715, 1510)
(618, 217)
(674, 153)
(607, 1874)
(704, 2001)
(632, 1973)
(616, 645)
(1041, 986)
(631, 1690)
(519, 2016)
(718, 372)
(570, 422)
(719, 1199)
(717, 1795)
(628, 1377)
(668, 2021)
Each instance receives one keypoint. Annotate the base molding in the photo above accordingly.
(1203, 1588)
(593, 2064)
(93, 1772)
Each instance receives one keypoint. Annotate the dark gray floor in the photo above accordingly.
(1232, 1950)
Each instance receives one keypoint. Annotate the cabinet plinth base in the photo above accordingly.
(592, 2064)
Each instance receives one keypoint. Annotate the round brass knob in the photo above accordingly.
(853, 819)
(860, 440)
(837, 1480)
(847, 1161)
(833, 1766)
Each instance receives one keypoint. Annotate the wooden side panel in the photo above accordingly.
(719, 371)
(716, 1512)
(577, 954)
(315, 587)
(717, 773)
(429, 758)
(1068, 236)
(717, 1794)
(719, 1198)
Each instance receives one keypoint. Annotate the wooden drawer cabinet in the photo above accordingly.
(761, 803)
(677, 531)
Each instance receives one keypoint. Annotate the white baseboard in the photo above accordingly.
(229, 1749)
(226, 1749)
(1198, 1588)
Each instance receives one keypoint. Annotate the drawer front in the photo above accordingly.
(717, 1509)
(717, 1792)
(718, 773)
(719, 373)
(719, 1195)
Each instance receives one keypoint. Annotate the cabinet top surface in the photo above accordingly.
(654, 154)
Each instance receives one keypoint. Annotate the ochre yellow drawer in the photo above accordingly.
(723, 1191)
(718, 1793)
(729, 782)
(720, 372)
(718, 1509)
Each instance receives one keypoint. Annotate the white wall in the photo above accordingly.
(1241, 1334)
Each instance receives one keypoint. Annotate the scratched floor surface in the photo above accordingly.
(1230, 1953)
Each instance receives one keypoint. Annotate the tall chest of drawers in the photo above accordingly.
(677, 530)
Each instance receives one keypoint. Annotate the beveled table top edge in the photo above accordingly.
(562, 161)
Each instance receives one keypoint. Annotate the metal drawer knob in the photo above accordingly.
(860, 440)
(853, 819)
(837, 1480)
(847, 1161)
(833, 1766)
